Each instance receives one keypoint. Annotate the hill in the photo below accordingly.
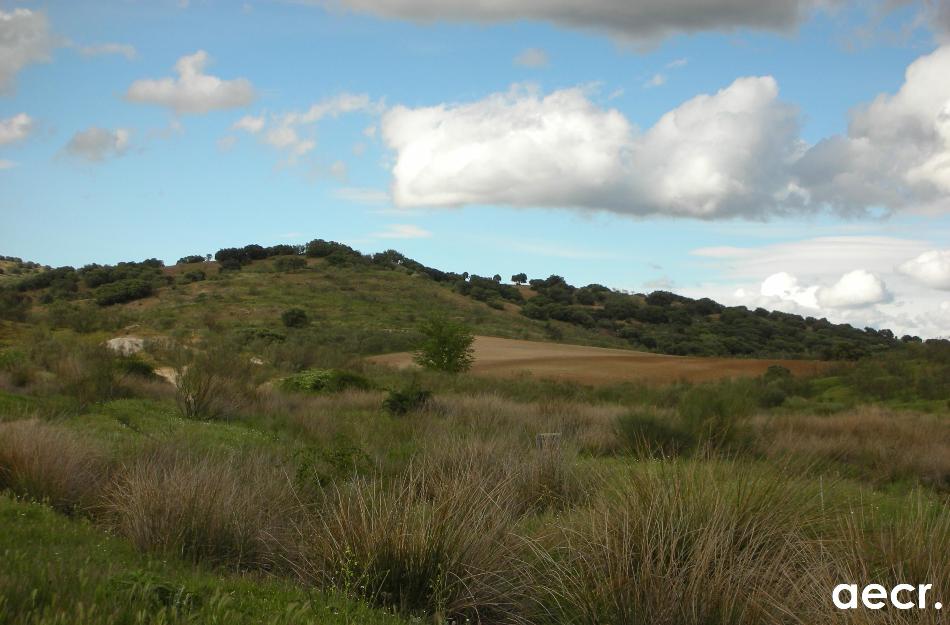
(371, 303)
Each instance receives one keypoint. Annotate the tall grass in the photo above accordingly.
(229, 510)
(51, 464)
(437, 546)
(679, 545)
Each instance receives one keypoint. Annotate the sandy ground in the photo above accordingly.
(598, 365)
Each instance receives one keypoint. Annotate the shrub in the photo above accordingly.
(681, 544)
(713, 412)
(649, 433)
(325, 381)
(193, 258)
(403, 401)
(89, 374)
(289, 263)
(230, 264)
(122, 291)
(226, 510)
(13, 305)
(447, 346)
(50, 463)
(208, 382)
(192, 276)
(439, 548)
(294, 318)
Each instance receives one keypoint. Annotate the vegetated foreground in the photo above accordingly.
(600, 365)
(279, 474)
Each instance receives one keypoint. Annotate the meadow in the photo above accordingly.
(278, 475)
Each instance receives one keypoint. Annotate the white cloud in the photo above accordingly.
(785, 286)
(370, 132)
(818, 277)
(644, 20)
(193, 91)
(402, 231)
(713, 156)
(532, 57)
(656, 80)
(291, 132)
(98, 144)
(249, 123)
(897, 150)
(5, 164)
(25, 38)
(932, 268)
(100, 49)
(855, 289)
(16, 128)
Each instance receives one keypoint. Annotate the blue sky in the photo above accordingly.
(793, 154)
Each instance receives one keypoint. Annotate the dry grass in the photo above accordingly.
(589, 427)
(51, 463)
(436, 544)
(679, 545)
(229, 510)
(883, 445)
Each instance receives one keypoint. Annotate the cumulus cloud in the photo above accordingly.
(100, 49)
(98, 144)
(896, 153)
(532, 57)
(193, 91)
(644, 20)
(16, 128)
(291, 132)
(25, 38)
(249, 123)
(402, 231)
(855, 289)
(713, 156)
(932, 268)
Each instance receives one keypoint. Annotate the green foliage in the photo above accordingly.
(294, 318)
(648, 432)
(192, 276)
(713, 413)
(408, 399)
(191, 259)
(122, 291)
(325, 381)
(447, 346)
(289, 263)
(13, 306)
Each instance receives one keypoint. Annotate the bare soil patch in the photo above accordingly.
(600, 365)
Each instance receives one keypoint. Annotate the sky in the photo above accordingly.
(789, 154)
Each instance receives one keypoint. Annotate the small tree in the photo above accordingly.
(519, 278)
(447, 346)
(295, 318)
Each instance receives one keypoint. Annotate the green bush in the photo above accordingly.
(133, 365)
(713, 412)
(325, 381)
(289, 263)
(447, 346)
(403, 401)
(646, 431)
(295, 318)
(122, 291)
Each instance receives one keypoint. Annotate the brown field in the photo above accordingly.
(599, 365)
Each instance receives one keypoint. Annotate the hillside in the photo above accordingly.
(372, 304)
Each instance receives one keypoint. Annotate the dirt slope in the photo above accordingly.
(598, 365)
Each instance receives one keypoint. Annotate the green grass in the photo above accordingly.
(58, 570)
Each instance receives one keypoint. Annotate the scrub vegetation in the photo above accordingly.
(242, 469)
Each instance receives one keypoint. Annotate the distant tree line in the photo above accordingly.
(661, 321)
